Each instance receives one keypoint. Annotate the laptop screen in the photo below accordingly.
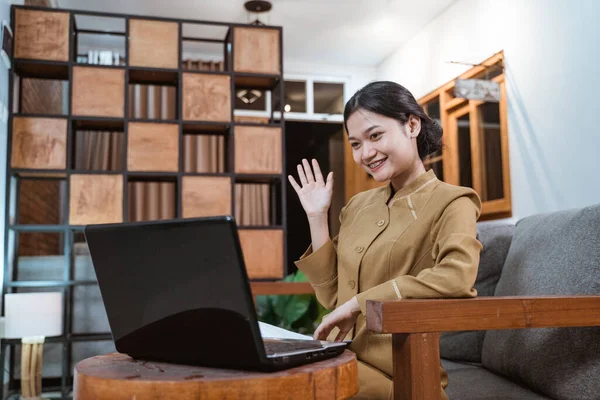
(152, 270)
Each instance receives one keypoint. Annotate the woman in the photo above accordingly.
(413, 238)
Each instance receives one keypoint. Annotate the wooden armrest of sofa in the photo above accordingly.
(265, 288)
(416, 325)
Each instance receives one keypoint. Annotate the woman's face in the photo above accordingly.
(382, 146)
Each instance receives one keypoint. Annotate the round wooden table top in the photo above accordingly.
(117, 376)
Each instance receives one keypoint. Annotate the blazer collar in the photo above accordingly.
(416, 185)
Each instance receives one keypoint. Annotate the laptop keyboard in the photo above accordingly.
(281, 346)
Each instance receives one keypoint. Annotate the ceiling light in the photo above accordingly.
(287, 108)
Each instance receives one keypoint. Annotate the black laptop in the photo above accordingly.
(177, 291)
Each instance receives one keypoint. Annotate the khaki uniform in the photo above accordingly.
(423, 246)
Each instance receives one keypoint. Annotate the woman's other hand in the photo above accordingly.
(344, 317)
(314, 193)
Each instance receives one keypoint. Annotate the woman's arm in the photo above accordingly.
(319, 262)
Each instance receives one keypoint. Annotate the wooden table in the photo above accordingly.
(117, 376)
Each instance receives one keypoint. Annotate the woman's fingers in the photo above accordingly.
(295, 185)
(301, 175)
(341, 335)
(329, 183)
(322, 331)
(317, 169)
(308, 171)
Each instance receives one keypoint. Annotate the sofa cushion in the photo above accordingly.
(496, 239)
(470, 382)
(551, 254)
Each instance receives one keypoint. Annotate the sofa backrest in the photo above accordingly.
(551, 254)
(496, 239)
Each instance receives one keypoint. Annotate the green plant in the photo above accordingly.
(300, 313)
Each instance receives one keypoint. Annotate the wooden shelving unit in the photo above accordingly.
(42, 147)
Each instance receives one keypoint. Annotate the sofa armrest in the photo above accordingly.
(482, 313)
(416, 325)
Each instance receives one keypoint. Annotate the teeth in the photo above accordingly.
(376, 164)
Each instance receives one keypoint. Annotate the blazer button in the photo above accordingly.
(381, 223)
(360, 249)
(351, 284)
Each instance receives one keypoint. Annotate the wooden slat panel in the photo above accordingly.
(206, 97)
(153, 43)
(205, 196)
(482, 313)
(41, 35)
(98, 91)
(258, 150)
(263, 252)
(416, 366)
(39, 143)
(256, 50)
(153, 147)
(95, 199)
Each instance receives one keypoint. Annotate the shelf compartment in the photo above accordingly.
(253, 204)
(153, 44)
(258, 149)
(153, 102)
(205, 153)
(95, 198)
(204, 196)
(42, 35)
(98, 124)
(99, 40)
(40, 202)
(151, 199)
(204, 47)
(206, 97)
(152, 147)
(206, 127)
(98, 150)
(39, 257)
(39, 143)
(257, 50)
(98, 91)
(263, 252)
(41, 69)
(256, 81)
(154, 76)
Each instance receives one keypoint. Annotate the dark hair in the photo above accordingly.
(395, 101)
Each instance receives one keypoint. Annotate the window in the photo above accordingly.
(475, 141)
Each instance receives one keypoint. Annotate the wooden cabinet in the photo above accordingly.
(475, 141)
(98, 92)
(257, 50)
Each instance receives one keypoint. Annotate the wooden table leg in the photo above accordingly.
(416, 366)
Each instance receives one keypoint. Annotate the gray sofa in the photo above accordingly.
(548, 254)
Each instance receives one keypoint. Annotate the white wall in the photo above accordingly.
(552, 56)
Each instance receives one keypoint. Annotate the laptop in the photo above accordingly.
(177, 291)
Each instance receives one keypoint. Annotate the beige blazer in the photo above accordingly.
(423, 246)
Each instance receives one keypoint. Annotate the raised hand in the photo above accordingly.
(314, 193)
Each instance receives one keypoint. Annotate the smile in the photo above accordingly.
(376, 165)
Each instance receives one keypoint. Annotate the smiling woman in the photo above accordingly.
(411, 238)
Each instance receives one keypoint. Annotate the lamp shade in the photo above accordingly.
(33, 314)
